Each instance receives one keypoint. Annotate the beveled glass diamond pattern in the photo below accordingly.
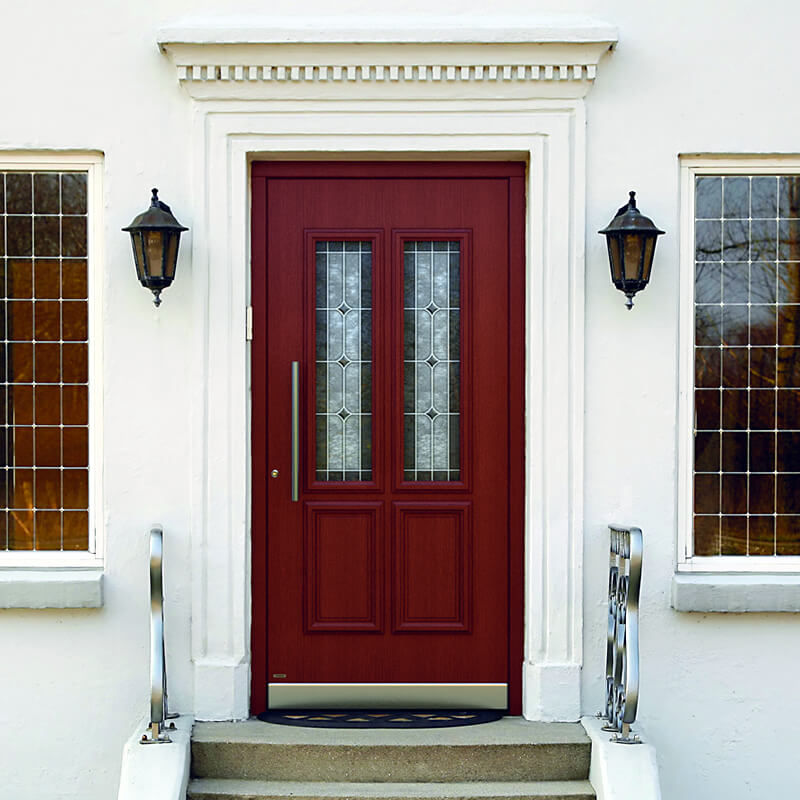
(431, 321)
(344, 361)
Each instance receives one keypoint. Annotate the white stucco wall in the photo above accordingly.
(719, 696)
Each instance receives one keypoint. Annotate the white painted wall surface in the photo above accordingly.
(719, 693)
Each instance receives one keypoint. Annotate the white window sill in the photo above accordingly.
(718, 592)
(51, 588)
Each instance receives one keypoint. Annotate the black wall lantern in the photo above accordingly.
(631, 241)
(155, 235)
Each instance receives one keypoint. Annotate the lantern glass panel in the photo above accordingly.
(633, 256)
(616, 258)
(138, 254)
(171, 254)
(154, 245)
(649, 248)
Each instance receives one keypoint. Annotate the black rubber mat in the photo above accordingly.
(379, 719)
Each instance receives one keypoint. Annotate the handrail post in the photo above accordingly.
(158, 662)
(622, 645)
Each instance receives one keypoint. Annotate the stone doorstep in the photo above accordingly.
(510, 750)
(505, 731)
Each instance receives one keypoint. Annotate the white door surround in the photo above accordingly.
(370, 89)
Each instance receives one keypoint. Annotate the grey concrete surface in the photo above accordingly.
(508, 730)
(508, 750)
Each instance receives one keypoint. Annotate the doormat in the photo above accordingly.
(379, 719)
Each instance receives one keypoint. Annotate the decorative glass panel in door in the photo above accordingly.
(431, 337)
(344, 361)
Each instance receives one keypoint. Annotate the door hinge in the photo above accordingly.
(249, 324)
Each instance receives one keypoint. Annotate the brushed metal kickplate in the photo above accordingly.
(388, 695)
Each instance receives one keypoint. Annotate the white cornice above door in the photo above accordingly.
(388, 58)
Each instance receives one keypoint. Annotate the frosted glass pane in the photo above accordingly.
(431, 338)
(343, 353)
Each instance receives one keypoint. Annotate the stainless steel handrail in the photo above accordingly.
(159, 711)
(622, 648)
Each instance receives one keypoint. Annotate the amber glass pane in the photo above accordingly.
(48, 405)
(734, 536)
(706, 535)
(48, 530)
(76, 488)
(74, 322)
(22, 447)
(46, 279)
(76, 447)
(73, 280)
(75, 405)
(706, 494)
(47, 484)
(734, 494)
(761, 494)
(75, 363)
(20, 405)
(21, 488)
(19, 320)
(48, 447)
(19, 283)
(20, 529)
(48, 363)
(47, 320)
(76, 530)
(762, 536)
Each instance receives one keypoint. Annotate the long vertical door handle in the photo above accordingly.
(295, 431)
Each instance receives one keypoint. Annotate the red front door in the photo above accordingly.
(387, 434)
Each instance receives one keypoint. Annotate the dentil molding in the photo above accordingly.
(384, 57)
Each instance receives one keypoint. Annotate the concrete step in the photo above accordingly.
(510, 749)
(232, 789)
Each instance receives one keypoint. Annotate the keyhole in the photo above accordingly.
(274, 473)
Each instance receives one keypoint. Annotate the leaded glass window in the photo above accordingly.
(747, 365)
(432, 346)
(344, 361)
(44, 363)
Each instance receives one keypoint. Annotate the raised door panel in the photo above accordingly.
(344, 574)
(432, 566)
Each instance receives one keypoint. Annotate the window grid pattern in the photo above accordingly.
(431, 332)
(344, 361)
(44, 363)
(747, 365)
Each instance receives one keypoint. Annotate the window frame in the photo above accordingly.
(692, 166)
(92, 164)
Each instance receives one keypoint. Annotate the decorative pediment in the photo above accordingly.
(434, 57)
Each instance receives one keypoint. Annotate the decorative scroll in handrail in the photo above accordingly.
(622, 651)
(158, 663)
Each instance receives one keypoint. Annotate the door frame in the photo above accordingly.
(514, 172)
(368, 107)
